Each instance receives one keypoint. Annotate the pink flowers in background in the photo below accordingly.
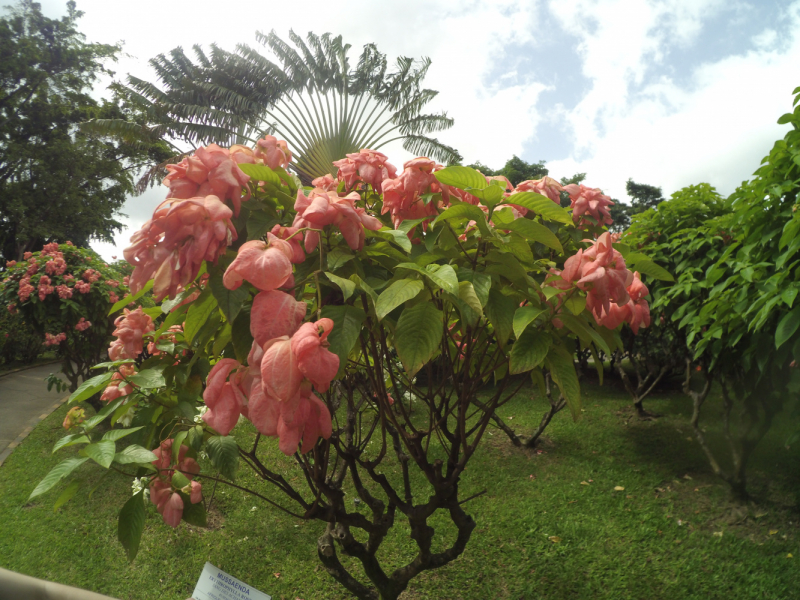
(323, 208)
(64, 291)
(83, 324)
(368, 166)
(273, 152)
(44, 287)
(83, 287)
(54, 340)
(130, 329)
(402, 196)
(546, 186)
(11, 263)
(56, 266)
(172, 245)
(167, 499)
(91, 275)
(591, 202)
(25, 289)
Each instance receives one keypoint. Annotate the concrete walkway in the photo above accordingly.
(24, 401)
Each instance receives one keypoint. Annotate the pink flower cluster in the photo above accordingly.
(614, 294)
(546, 186)
(54, 340)
(323, 208)
(51, 249)
(130, 329)
(273, 152)
(287, 360)
(402, 196)
(27, 255)
(267, 265)
(211, 171)
(25, 289)
(11, 263)
(172, 245)
(12, 308)
(56, 266)
(75, 416)
(64, 291)
(44, 287)
(113, 298)
(118, 387)
(91, 275)
(83, 287)
(162, 493)
(367, 166)
(83, 324)
(591, 202)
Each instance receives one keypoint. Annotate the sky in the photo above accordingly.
(666, 92)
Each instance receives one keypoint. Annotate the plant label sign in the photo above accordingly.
(215, 584)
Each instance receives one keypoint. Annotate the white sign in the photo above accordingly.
(215, 584)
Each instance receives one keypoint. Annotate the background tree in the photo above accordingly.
(643, 197)
(57, 183)
(311, 96)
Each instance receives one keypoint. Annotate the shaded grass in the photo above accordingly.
(654, 539)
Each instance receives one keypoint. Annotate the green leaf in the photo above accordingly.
(562, 370)
(529, 351)
(101, 452)
(118, 434)
(130, 524)
(134, 454)
(66, 495)
(179, 480)
(347, 286)
(468, 297)
(443, 276)
(241, 336)
(391, 235)
(396, 294)
(229, 301)
(119, 305)
(90, 387)
(409, 224)
(418, 335)
(541, 205)
(463, 210)
(461, 177)
(259, 223)
(148, 379)
(337, 257)
(168, 305)
(787, 326)
(92, 422)
(365, 287)
(651, 269)
(500, 312)
(194, 514)
(56, 474)
(199, 313)
(584, 331)
(347, 322)
(71, 440)
(177, 442)
(524, 316)
(481, 283)
(261, 173)
(224, 454)
(575, 303)
(536, 232)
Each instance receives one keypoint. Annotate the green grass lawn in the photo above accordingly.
(551, 525)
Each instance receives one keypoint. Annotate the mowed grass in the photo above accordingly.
(550, 526)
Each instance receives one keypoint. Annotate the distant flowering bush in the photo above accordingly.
(309, 312)
(64, 293)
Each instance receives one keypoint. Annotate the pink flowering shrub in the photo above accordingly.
(63, 294)
(310, 315)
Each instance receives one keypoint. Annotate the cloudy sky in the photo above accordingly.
(667, 92)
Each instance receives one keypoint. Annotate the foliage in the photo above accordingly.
(56, 292)
(643, 197)
(397, 329)
(734, 298)
(19, 342)
(515, 170)
(56, 183)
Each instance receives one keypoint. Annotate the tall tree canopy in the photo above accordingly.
(311, 96)
(56, 182)
(515, 170)
(643, 197)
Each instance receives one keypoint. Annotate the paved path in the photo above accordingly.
(24, 401)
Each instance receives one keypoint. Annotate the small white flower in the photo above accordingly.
(198, 418)
(126, 419)
(138, 485)
(202, 454)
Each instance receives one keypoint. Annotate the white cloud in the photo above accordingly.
(715, 129)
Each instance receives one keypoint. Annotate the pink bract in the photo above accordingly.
(267, 265)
